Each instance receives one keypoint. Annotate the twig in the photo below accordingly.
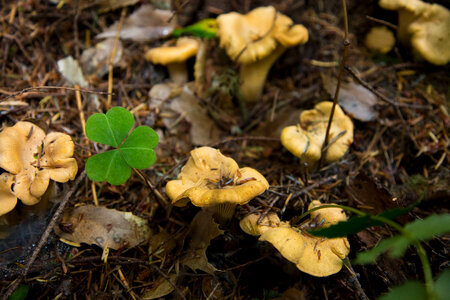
(388, 24)
(378, 94)
(44, 237)
(338, 87)
(15, 94)
(111, 59)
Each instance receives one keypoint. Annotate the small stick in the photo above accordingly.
(15, 94)
(338, 87)
(388, 24)
(44, 237)
(111, 59)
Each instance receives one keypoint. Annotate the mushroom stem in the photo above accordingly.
(253, 75)
(178, 72)
(223, 212)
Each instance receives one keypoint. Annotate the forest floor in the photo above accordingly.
(397, 157)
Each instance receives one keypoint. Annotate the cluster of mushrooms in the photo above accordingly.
(216, 183)
(31, 159)
(424, 27)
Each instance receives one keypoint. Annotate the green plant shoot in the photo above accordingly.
(133, 149)
(206, 28)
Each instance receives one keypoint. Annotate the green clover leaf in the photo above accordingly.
(132, 151)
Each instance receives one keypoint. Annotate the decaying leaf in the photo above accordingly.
(106, 5)
(202, 230)
(71, 71)
(356, 100)
(95, 60)
(144, 25)
(160, 288)
(203, 130)
(103, 227)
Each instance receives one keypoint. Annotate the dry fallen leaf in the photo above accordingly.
(356, 100)
(144, 25)
(203, 131)
(160, 288)
(202, 230)
(103, 227)
(95, 60)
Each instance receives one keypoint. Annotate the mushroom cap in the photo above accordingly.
(330, 215)
(426, 26)
(253, 36)
(380, 39)
(249, 224)
(7, 198)
(34, 159)
(209, 178)
(183, 49)
(305, 141)
(430, 35)
(18, 146)
(315, 256)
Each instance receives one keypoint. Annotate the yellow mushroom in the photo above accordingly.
(313, 255)
(174, 57)
(425, 26)
(33, 159)
(305, 140)
(380, 39)
(211, 180)
(256, 40)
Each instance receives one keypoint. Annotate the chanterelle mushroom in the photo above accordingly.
(211, 180)
(305, 139)
(313, 255)
(380, 39)
(425, 26)
(256, 40)
(32, 159)
(174, 57)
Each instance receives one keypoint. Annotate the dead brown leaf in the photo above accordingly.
(103, 227)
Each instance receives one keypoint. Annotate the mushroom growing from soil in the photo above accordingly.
(174, 57)
(380, 39)
(32, 159)
(316, 256)
(425, 26)
(215, 182)
(305, 140)
(256, 40)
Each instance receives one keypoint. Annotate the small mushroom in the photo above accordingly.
(174, 57)
(425, 26)
(313, 255)
(380, 40)
(33, 159)
(256, 40)
(211, 180)
(305, 140)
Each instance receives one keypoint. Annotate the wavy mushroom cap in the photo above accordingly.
(168, 54)
(253, 36)
(249, 224)
(209, 178)
(34, 158)
(380, 39)
(305, 141)
(329, 215)
(7, 198)
(425, 26)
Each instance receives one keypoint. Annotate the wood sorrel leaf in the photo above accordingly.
(138, 150)
(110, 128)
(109, 166)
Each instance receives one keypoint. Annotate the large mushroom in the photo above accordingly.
(256, 40)
(305, 140)
(313, 255)
(215, 182)
(425, 26)
(174, 57)
(32, 159)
